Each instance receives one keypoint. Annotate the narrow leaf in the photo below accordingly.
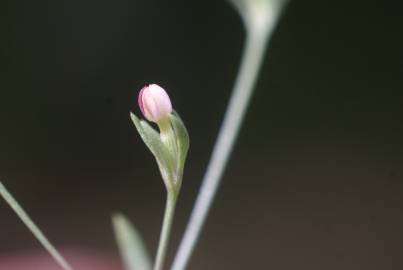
(149, 135)
(153, 141)
(130, 243)
(151, 138)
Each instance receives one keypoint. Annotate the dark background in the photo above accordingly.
(315, 180)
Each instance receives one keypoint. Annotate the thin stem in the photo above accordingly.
(33, 228)
(222, 149)
(166, 229)
(258, 29)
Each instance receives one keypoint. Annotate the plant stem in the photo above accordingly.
(166, 229)
(33, 228)
(222, 149)
(259, 28)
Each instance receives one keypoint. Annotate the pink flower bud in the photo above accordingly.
(154, 103)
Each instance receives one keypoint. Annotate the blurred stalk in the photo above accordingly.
(259, 17)
(33, 228)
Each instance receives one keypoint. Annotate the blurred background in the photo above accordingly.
(315, 180)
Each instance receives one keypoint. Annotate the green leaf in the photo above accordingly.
(182, 140)
(131, 246)
(149, 135)
(153, 141)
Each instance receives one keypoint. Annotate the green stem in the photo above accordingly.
(166, 229)
(252, 58)
(33, 228)
(260, 18)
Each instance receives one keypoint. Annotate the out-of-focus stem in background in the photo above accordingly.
(260, 18)
(33, 228)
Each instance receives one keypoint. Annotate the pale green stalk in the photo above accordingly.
(169, 148)
(166, 229)
(33, 228)
(260, 17)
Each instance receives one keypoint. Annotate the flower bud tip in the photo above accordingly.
(154, 103)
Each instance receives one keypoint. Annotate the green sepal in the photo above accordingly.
(162, 154)
(182, 141)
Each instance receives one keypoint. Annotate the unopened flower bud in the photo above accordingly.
(154, 103)
(170, 143)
